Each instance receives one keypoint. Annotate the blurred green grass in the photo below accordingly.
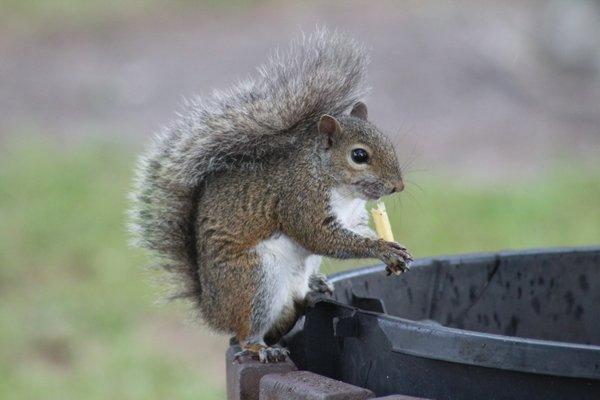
(73, 297)
(72, 294)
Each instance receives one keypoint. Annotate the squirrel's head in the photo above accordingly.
(363, 159)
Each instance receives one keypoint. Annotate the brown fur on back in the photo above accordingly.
(233, 130)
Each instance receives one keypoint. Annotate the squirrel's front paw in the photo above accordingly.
(319, 283)
(395, 256)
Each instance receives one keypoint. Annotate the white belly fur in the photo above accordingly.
(350, 212)
(286, 269)
(287, 266)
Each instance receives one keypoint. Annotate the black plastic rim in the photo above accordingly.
(438, 342)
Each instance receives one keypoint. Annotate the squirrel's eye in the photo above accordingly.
(360, 156)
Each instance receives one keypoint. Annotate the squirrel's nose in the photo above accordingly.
(398, 187)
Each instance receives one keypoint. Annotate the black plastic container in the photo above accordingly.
(518, 325)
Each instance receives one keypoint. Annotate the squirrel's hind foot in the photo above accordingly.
(262, 353)
(273, 354)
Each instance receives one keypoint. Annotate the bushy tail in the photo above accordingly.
(320, 74)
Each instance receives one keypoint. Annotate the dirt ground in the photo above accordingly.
(463, 87)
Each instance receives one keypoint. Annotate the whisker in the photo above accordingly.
(416, 170)
(416, 200)
(410, 182)
(395, 203)
(412, 157)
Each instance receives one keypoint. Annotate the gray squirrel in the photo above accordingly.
(249, 188)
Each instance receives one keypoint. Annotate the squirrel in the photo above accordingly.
(246, 191)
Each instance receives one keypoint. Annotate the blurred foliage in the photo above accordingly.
(560, 208)
(73, 297)
(72, 294)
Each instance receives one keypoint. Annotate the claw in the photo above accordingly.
(237, 357)
(396, 257)
(397, 268)
(263, 354)
(272, 354)
(397, 246)
(319, 283)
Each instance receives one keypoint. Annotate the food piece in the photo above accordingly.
(382, 222)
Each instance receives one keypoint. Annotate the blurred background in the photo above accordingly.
(495, 109)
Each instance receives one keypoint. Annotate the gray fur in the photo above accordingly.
(323, 73)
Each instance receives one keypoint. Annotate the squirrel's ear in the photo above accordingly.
(329, 127)
(359, 111)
